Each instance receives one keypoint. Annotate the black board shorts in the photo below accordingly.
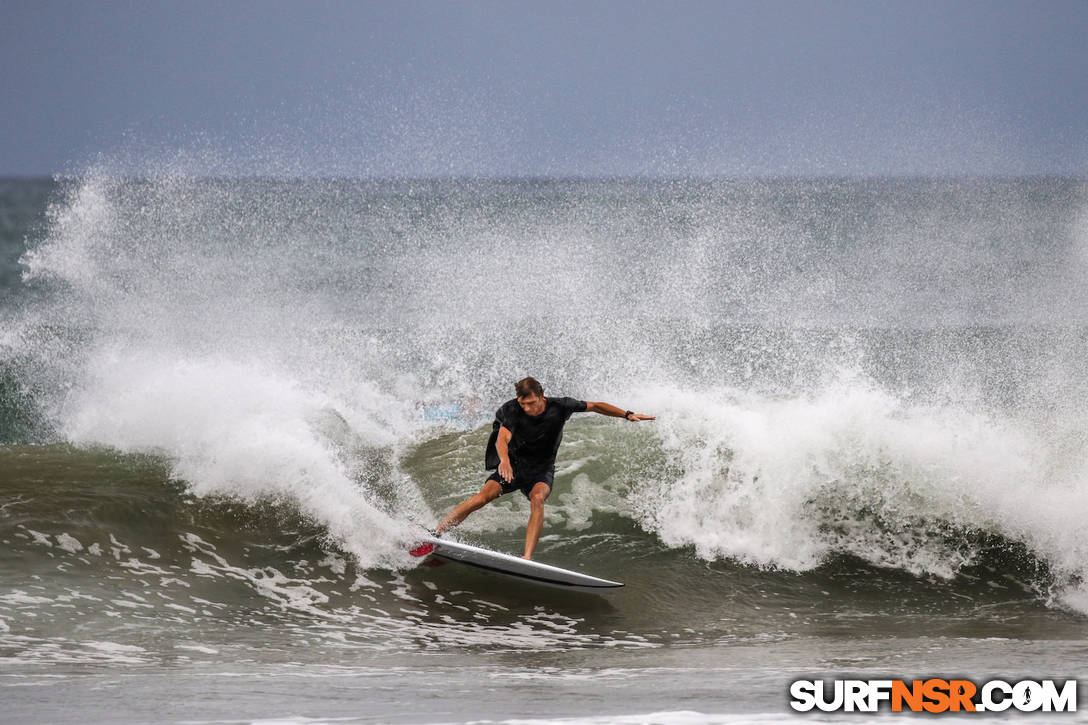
(524, 483)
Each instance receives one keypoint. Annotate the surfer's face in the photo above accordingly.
(532, 404)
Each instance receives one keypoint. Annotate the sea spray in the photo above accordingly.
(788, 481)
(240, 431)
(878, 369)
(194, 344)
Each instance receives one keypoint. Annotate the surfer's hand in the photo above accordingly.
(506, 471)
(636, 417)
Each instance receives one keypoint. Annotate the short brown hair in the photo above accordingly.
(528, 386)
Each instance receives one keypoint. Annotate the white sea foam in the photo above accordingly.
(69, 543)
(667, 717)
(232, 429)
(21, 598)
(113, 647)
(271, 357)
(785, 481)
(201, 354)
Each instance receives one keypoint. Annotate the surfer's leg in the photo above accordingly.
(490, 491)
(537, 497)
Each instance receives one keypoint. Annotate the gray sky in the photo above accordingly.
(534, 88)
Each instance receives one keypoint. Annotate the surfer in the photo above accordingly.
(524, 440)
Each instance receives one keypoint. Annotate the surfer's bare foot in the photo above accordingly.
(527, 557)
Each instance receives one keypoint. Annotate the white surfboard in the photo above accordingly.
(514, 566)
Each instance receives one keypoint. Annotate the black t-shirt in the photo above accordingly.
(535, 439)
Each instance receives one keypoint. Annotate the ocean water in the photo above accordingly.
(228, 405)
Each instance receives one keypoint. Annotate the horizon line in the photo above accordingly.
(64, 176)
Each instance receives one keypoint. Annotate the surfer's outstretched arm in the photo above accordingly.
(611, 410)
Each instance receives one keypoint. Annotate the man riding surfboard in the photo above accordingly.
(524, 441)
